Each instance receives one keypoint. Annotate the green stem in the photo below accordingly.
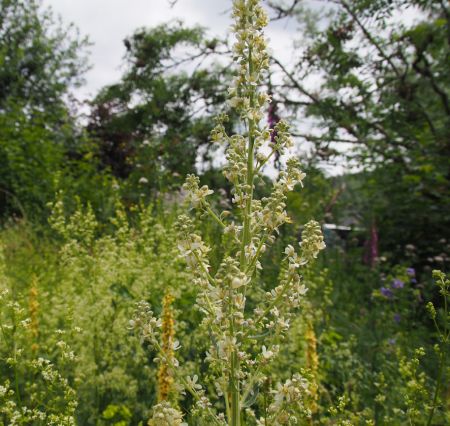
(205, 271)
(227, 403)
(442, 360)
(245, 241)
(269, 308)
(258, 252)
(213, 215)
(438, 386)
(263, 163)
(250, 171)
(246, 237)
(235, 401)
(234, 368)
(248, 203)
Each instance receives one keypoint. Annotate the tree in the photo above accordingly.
(154, 123)
(40, 60)
(381, 100)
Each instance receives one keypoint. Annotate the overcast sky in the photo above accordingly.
(108, 22)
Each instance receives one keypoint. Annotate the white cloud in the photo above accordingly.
(108, 22)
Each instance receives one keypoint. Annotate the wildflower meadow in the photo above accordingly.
(228, 235)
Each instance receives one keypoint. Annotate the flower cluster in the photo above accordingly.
(287, 397)
(32, 402)
(251, 53)
(165, 415)
(312, 241)
(237, 312)
(401, 280)
(145, 323)
(196, 195)
(191, 245)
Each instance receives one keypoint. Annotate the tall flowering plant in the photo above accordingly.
(244, 322)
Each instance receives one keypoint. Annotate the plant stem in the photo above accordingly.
(246, 238)
(258, 252)
(442, 358)
(234, 369)
(213, 215)
(235, 402)
(438, 386)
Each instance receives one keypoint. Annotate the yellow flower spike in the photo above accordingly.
(165, 380)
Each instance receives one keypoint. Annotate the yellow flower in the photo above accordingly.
(165, 380)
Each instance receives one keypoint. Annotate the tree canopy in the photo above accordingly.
(40, 60)
(381, 101)
(153, 124)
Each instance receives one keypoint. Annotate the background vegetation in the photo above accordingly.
(88, 209)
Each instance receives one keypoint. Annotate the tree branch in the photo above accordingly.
(369, 37)
(282, 12)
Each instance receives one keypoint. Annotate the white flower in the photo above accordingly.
(267, 354)
(289, 251)
(165, 415)
(192, 382)
(143, 181)
(195, 194)
(237, 282)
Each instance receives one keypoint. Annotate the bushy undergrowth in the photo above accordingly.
(81, 290)
(68, 355)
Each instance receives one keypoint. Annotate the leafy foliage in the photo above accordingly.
(152, 126)
(382, 101)
(39, 61)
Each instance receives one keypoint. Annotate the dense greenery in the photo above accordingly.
(153, 124)
(90, 239)
(383, 103)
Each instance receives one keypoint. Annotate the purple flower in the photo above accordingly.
(396, 283)
(397, 317)
(392, 341)
(386, 292)
(413, 280)
(272, 120)
(411, 272)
